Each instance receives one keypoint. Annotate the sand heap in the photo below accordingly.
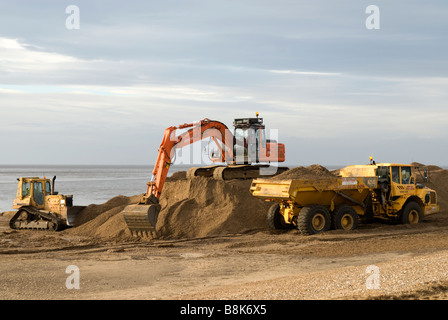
(103, 220)
(314, 171)
(438, 180)
(190, 208)
(205, 207)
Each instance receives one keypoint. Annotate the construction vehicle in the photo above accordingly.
(247, 145)
(40, 207)
(386, 191)
(242, 154)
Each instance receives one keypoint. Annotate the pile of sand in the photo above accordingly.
(103, 220)
(438, 180)
(190, 208)
(205, 207)
(314, 171)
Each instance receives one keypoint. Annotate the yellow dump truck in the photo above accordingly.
(387, 191)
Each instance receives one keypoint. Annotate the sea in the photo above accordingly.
(89, 184)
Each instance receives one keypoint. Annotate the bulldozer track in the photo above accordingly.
(35, 220)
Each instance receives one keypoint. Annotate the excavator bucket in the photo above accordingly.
(142, 219)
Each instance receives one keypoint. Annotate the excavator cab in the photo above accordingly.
(251, 145)
(249, 140)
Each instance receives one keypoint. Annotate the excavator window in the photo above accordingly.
(241, 143)
(241, 135)
(263, 138)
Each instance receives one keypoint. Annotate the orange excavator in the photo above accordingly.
(242, 153)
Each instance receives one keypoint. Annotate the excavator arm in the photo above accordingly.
(198, 131)
(143, 216)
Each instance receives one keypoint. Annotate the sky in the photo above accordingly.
(334, 91)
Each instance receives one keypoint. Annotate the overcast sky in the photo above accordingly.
(336, 91)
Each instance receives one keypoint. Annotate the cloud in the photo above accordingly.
(311, 69)
(306, 73)
(18, 57)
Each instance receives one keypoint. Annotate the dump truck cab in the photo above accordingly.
(397, 188)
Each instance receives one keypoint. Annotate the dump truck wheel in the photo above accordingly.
(275, 219)
(412, 213)
(313, 219)
(345, 218)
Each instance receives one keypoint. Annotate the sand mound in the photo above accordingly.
(314, 171)
(103, 220)
(205, 207)
(190, 208)
(438, 180)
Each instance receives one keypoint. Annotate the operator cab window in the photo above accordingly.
(26, 189)
(241, 135)
(38, 194)
(405, 175)
(396, 174)
(383, 173)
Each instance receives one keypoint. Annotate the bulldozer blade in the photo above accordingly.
(72, 213)
(141, 219)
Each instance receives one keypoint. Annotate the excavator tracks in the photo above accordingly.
(31, 218)
(202, 171)
(235, 171)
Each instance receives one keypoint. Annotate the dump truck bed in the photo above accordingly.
(317, 191)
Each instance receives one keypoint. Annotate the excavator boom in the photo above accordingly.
(142, 217)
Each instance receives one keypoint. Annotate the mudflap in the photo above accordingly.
(141, 219)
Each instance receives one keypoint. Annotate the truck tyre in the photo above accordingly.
(345, 218)
(275, 219)
(412, 213)
(313, 219)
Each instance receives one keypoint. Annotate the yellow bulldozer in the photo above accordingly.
(40, 207)
(386, 191)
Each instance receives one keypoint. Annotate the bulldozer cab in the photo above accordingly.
(31, 191)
